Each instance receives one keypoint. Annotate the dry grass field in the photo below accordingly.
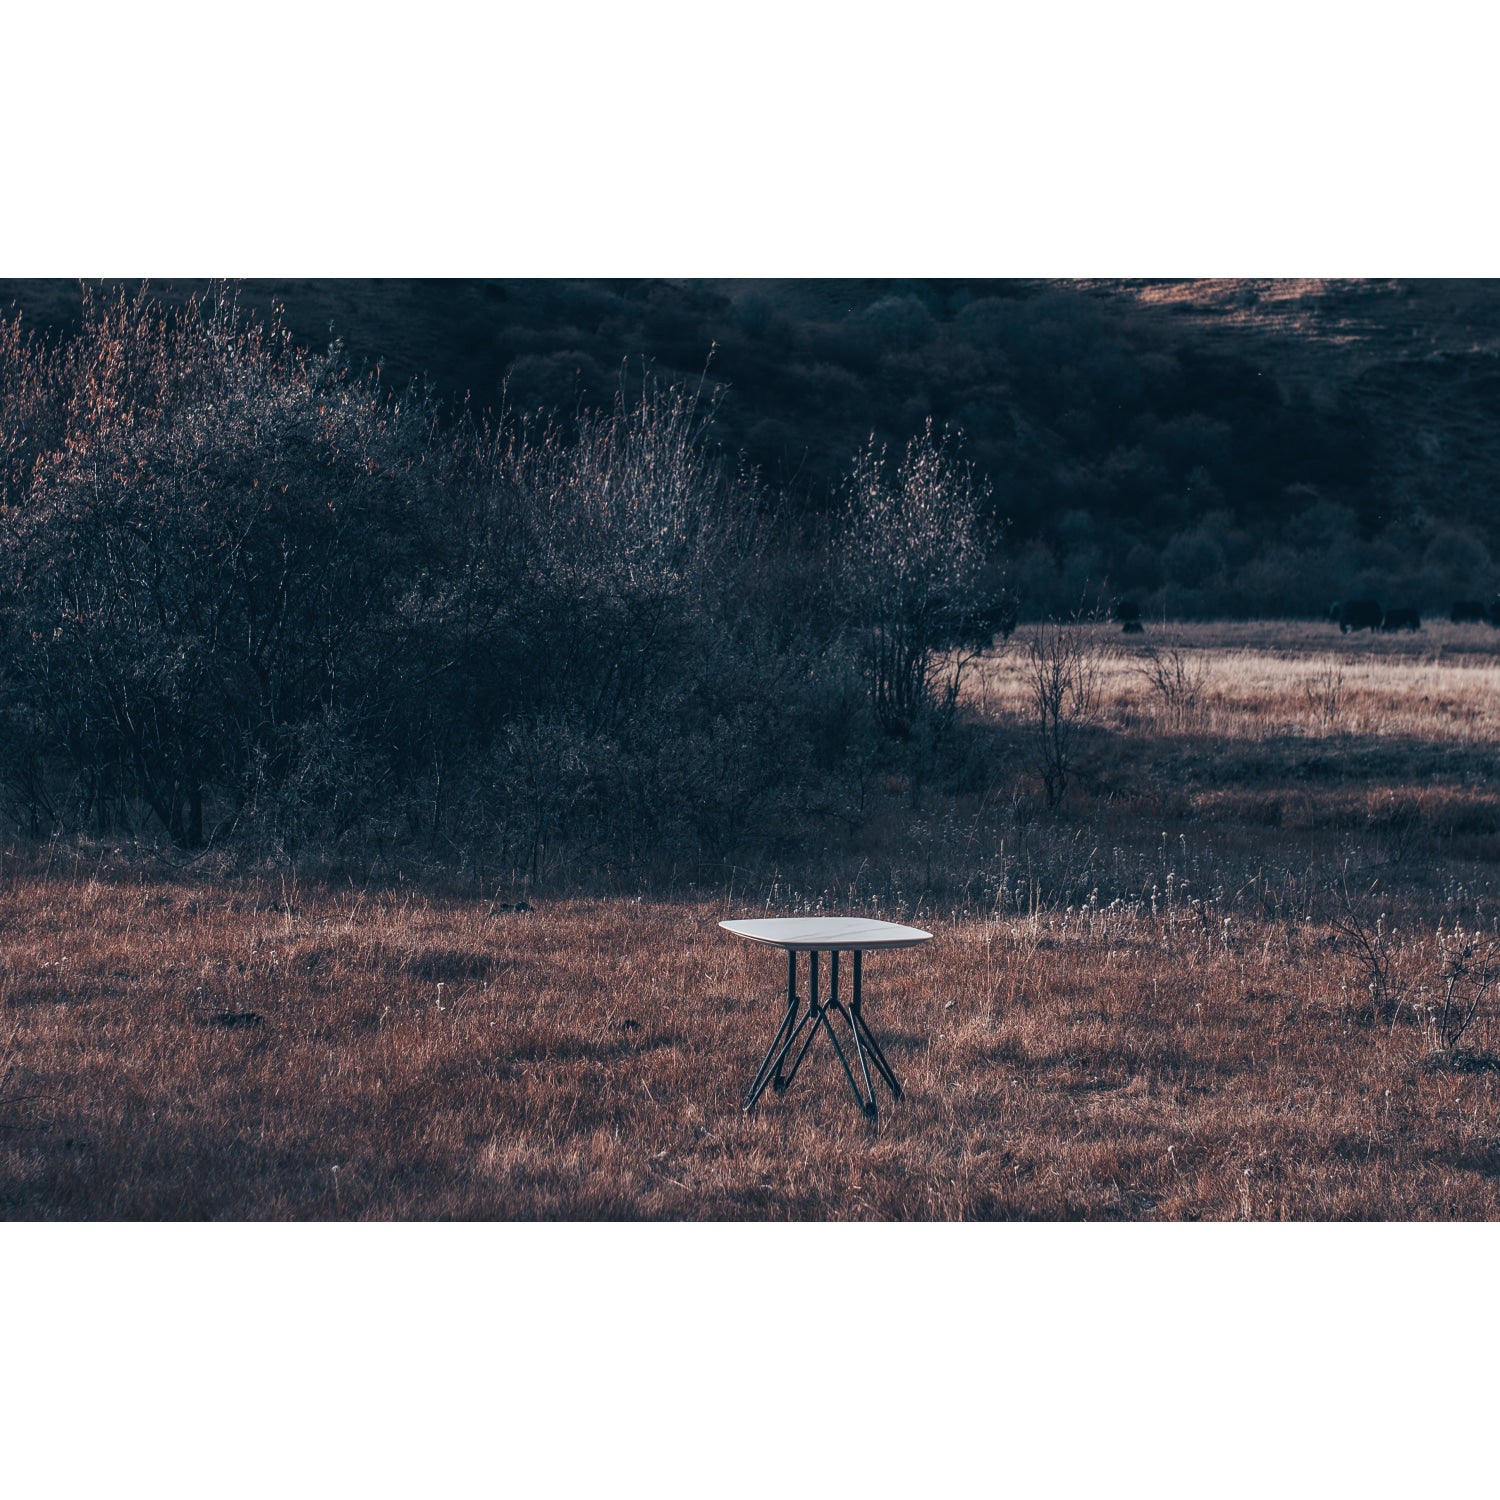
(1260, 681)
(1210, 984)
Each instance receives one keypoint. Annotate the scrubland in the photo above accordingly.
(1210, 983)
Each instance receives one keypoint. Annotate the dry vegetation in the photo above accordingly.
(1210, 984)
(213, 1054)
(1258, 681)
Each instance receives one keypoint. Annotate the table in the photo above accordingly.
(832, 935)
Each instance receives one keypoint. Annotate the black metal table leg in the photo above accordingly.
(833, 1005)
(785, 1033)
(868, 1103)
(814, 1010)
(862, 1029)
(817, 1015)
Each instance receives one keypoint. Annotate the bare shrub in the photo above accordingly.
(1064, 665)
(547, 767)
(1375, 950)
(1177, 678)
(1440, 981)
(1324, 692)
(913, 551)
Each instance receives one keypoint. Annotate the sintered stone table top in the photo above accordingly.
(837, 934)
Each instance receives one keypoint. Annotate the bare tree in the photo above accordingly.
(913, 547)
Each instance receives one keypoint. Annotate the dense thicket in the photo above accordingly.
(246, 590)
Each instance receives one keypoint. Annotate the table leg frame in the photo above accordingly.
(785, 1034)
(866, 1049)
(860, 1029)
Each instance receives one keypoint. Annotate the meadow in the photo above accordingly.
(1242, 969)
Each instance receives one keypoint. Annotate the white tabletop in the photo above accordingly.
(811, 934)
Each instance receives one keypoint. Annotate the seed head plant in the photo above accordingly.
(1468, 965)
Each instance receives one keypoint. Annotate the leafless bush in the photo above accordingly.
(1064, 665)
(1178, 678)
(627, 594)
(1324, 691)
(1440, 981)
(912, 551)
(1375, 951)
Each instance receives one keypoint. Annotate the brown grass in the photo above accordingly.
(202, 1053)
(1260, 680)
(1150, 1003)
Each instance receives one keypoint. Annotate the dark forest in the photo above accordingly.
(1215, 449)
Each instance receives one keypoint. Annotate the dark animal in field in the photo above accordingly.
(1005, 615)
(1466, 611)
(1357, 614)
(1401, 619)
(1125, 610)
(1133, 627)
(979, 627)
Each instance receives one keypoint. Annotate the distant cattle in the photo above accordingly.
(1356, 614)
(1466, 611)
(1133, 627)
(1004, 615)
(1401, 619)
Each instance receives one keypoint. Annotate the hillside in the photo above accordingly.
(1231, 446)
(1299, 321)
